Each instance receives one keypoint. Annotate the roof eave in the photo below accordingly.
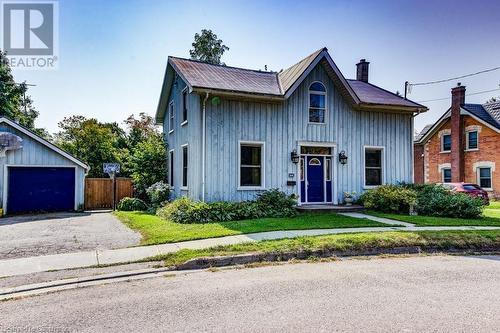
(391, 107)
(238, 94)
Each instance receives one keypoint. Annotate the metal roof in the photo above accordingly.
(371, 94)
(288, 76)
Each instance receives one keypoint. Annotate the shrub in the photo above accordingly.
(389, 198)
(158, 193)
(131, 204)
(272, 203)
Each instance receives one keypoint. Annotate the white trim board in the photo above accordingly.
(262, 144)
(44, 142)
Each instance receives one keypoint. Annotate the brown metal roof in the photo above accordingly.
(288, 76)
(371, 94)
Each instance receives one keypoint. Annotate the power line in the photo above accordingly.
(444, 98)
(454, 78)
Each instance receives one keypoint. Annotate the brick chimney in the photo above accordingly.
(457, 144)
(362, 70)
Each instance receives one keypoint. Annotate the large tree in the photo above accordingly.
(14, 103)
(207, 47)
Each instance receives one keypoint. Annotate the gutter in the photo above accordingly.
(203, 147)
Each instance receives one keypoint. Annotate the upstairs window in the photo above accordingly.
(171, 116)
(184, 106)
(251, 166)
(446, 142)
(317, 103)
(472, 140)
(485, 177)
(373, 166)
(446, 175)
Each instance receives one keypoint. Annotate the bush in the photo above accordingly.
(158, 193)
(130, 204)
(272, 203)
(389, 199)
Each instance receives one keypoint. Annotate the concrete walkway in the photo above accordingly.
(37, 264)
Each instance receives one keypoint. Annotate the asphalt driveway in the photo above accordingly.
(36, 235)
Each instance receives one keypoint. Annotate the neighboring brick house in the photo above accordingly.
(462, 146)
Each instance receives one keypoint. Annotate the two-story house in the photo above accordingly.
(233, 132)
(462, 146)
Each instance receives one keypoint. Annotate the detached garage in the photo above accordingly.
(35, 175)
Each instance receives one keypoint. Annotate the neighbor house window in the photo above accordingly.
(185, 166)
(446, 142)
(472, 140)
(485, 177)
(184, 106)
(171, 168)
(171, 117)
(373, 166)
(251, 164)
(317, 103)
(446, 174)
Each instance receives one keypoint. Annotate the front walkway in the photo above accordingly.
(30, 265)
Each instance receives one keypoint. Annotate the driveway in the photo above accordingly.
(36, 235)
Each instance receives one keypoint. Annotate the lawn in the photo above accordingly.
(435, 240)
(491, 217)
(494, 205)
(158, 231)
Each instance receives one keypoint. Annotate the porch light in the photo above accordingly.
(342, 157)
(294, 156)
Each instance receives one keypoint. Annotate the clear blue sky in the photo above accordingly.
(113, 53)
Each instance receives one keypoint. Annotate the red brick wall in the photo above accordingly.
(489, 150)
(418, 163)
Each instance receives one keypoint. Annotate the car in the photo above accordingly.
(473, 190)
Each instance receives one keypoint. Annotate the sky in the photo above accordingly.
(113, 54)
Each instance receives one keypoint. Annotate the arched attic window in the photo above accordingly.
(317, 103)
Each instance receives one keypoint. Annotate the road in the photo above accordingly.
(415, 294)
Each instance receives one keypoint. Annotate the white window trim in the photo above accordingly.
(170, 155)
(442, 175)
(309, 103)
(182, 187)
(382, 166)
(171, 116)
(185, 90)
(467, 140)
(262, 166)
(484, 164)
(442, 151)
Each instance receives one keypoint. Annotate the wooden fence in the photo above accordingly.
(99, 192)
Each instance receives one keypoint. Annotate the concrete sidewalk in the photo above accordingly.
(30, 265)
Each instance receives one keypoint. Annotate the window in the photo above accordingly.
(485, 177)
(251, 166)
(302, 168)
(184, 166)
(314, 161)
(446, 175)
(317, 103)
(446, 142)
(171, 117)
(373, 166)
(315, 150)
(184, 106)
(328, 169)
(171, 168)
(472, 140)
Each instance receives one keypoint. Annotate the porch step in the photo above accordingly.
(329, 208)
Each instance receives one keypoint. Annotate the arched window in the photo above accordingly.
(317, 103)
(314, 161)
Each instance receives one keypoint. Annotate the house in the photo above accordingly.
(462, 146)
(233, 132)
(36, 175)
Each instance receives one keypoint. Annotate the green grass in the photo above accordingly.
(439, 240)
(490, 217)
(494, 205)
(158, 231)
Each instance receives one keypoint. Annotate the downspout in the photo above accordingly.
(203, 148)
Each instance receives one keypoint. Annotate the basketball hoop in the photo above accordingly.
(9, 141)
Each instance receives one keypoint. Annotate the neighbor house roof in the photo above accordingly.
(44, 142)
(226, 80)
(488, 114)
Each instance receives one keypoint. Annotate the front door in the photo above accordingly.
(315, 183)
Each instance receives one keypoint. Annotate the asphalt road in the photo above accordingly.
(418, 294)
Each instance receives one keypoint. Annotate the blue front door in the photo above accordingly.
(315, 179)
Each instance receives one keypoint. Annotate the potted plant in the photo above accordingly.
(349, 198)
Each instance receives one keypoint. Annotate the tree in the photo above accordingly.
(140, 129)
(207, 48)
(93, 142)
(14, 103)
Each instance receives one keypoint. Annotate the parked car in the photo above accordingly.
(473, 190)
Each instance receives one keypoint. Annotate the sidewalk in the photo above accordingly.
(30, 265)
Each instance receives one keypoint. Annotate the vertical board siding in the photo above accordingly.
(35, 154)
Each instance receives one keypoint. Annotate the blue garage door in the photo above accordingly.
(40, 189)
